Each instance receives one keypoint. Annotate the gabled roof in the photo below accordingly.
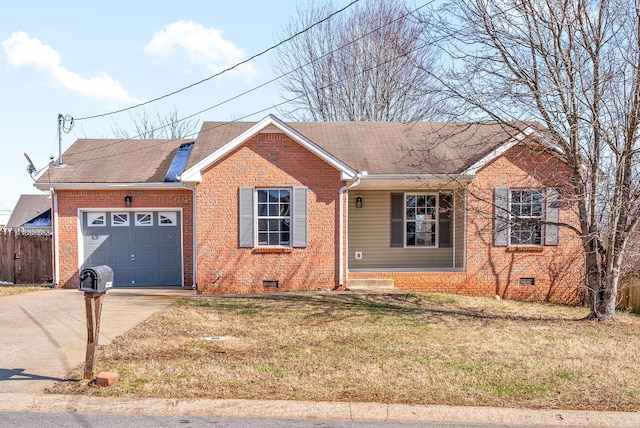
(29, 208)
(215, 148)
(377, 148)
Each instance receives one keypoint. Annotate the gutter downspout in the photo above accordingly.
(341, 229)
(56, 243)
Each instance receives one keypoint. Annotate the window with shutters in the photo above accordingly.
(526, 217)
(421, 220)
(526, 210)
(274, 217)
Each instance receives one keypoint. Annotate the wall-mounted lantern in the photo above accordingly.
(358, 201)
(128, 200)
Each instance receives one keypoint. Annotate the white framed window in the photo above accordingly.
(167, 218)
(143, 219)
(526, 208)
(527, 217)
(120, 219)
(96, 219)
(273, 217)
(420, 220)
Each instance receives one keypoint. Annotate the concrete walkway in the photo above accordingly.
(43, 334)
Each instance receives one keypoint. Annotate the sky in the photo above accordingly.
(81, 59)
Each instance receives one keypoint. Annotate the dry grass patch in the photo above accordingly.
(10, 290)
(422, 349)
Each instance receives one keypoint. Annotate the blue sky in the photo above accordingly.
(88, 58)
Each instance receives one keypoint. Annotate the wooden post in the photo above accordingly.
(93, 305)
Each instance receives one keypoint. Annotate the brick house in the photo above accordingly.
(252, 207)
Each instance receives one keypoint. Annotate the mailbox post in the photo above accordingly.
(94, 282)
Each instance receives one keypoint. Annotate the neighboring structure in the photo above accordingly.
(32, 212)
(252, 207)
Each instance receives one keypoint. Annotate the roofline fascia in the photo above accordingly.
(108, 186)
(194, 174)
(455, 177)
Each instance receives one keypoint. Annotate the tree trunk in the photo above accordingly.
(602, 289)
(607, 304)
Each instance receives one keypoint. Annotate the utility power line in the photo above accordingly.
(223, 71)
(235, 97)
(263, 110)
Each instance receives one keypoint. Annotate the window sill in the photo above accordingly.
(525, 249)
(269, 250)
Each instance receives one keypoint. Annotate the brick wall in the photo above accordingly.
(266, 160)
(496, 271)
(69, 201)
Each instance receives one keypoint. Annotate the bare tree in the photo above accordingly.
(574, 66)
(164, 126)
(357, 66)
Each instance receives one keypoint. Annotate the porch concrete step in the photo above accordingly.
(370, 284)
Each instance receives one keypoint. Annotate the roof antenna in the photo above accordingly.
(65, 123)
(32, 170)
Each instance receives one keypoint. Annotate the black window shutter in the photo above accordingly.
(245, 210)
(501, 217)
(397, 220)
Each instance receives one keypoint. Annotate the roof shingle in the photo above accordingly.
(28, 208)
(375, 147)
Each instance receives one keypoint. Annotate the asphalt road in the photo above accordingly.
(76, 420)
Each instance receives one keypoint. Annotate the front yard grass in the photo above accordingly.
(417, 349)
(10, 289)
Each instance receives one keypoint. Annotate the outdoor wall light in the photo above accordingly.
(127, 201)
(358, 201)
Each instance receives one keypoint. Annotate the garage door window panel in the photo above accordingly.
(144, 219)
(167, 218)
(120, 219)
(96, 219)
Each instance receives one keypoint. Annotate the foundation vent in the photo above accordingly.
(527, 282)
(270, 284)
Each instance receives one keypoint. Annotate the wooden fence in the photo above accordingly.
(26, 256)
(630, 299)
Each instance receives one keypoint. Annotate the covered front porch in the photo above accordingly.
(408, 225)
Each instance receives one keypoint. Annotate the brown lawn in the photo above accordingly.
(9, 290)
(419, 349)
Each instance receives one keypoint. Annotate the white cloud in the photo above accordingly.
(202, 47)
(24, 51)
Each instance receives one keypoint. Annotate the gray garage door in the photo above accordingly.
(144, 248)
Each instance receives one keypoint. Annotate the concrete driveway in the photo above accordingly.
(43, 334)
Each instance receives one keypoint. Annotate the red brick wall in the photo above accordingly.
(496, 271)
(69, 201)
(266, 160)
